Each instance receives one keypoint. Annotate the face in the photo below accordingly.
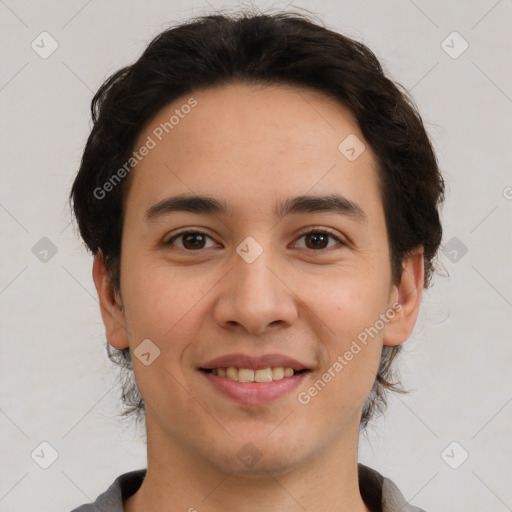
(256, 280)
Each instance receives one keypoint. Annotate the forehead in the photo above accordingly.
(252, 145)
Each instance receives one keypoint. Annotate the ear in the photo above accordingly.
(406, 299)
(110, 304)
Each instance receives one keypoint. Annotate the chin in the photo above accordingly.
(257, 456)
(261, 467)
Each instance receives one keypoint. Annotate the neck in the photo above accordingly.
(327, 482)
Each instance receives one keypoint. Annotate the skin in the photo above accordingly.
(251, 146)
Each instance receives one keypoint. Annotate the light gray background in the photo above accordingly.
(57, 384)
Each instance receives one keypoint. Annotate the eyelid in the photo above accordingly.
(185, 231)
(322, 229)
(308, 231)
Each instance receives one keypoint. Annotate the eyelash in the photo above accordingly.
(315, 230)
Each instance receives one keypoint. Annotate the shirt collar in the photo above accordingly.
(379, 493)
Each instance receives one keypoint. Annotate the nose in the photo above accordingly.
(255, 297)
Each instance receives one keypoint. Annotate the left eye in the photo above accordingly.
(317, 239)
(194, 240)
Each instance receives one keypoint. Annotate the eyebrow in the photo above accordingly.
(334, 203)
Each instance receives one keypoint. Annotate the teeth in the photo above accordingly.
(288, 372)
(232, 373)
(245, 375)
(263, 375)
(249, 375)
(277, 373)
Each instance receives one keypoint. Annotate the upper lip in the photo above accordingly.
(254, 362)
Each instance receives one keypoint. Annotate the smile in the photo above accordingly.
(254, 379)
(249, 375)
(254, 393)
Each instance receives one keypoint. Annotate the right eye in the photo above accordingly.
(190, 240)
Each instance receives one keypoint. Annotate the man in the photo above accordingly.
(262, 203)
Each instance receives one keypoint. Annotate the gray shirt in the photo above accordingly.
(379, 493)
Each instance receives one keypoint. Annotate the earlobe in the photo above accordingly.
(408, 298)
(110, 304)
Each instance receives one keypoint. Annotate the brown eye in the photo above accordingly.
(190, 240)
(319, 239)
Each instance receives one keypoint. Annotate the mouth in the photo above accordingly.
(269, 374)
(254, 380)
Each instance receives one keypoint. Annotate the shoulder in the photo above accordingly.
(380, 493)
(112, 499)
(393, 499)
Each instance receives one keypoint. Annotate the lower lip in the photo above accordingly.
(255, 392)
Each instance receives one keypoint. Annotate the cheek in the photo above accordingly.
(347, 302)
(347, 312)
(159, 299)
